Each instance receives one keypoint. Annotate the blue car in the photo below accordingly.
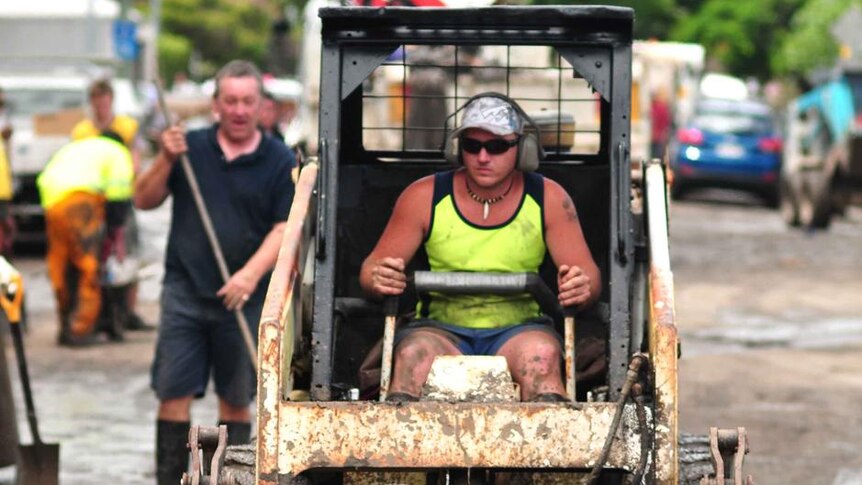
(728, 144)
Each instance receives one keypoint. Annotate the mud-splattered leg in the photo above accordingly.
(534, 359)
(413, 358)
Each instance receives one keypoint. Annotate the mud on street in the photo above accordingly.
(771, 324)
(771, 328)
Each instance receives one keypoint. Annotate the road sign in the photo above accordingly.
(848, 34)
(125, 40)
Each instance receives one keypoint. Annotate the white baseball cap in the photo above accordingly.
(492, 114)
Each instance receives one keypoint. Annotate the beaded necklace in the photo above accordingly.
(486, 203)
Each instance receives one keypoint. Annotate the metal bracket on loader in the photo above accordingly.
(207, 445)
(728, 448)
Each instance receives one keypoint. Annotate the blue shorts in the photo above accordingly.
(472, 341)
(198, 336)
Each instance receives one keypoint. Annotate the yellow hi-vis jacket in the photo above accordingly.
(5, 175)
(96, 165)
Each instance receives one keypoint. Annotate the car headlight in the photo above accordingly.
(692, 153)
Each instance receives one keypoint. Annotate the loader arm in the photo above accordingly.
(663, 338)
(277, 331)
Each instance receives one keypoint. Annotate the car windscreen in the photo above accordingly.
(29, 101)
(734, 117)
(733, 122)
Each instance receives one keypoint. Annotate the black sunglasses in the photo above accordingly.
(494, 146)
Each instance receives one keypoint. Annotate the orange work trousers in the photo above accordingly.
(75, 229)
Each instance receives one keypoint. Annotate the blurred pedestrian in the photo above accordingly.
(244, 179)
(660, 120)
(7, 223)
(102, 117)
(85, 190)
(101, 95)
(270, 116)
(183, 86)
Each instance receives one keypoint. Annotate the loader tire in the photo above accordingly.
(694, 459)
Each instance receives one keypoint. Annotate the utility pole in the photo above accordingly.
(125, 68)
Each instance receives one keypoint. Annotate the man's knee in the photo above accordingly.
(547, 350)
(415, 351)
(178, 409)
(413, 358)
(229, 412)
(533, 355)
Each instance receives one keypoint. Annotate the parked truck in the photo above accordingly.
(323, 346)
(822, 170)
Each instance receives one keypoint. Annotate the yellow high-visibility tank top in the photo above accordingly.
(455, 244)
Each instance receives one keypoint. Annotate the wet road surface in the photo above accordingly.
(771, 326)
(96, 401)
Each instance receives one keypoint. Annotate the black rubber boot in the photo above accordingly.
(238, 433)
(172, 453)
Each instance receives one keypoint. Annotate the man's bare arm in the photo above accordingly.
(151, 187)
(243, 283)
(578, 276)
(383, 271)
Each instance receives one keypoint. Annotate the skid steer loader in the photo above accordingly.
(389, 78)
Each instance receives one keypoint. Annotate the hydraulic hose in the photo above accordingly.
(631, 376)
(646, 441)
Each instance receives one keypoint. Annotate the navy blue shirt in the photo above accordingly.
(244, 197)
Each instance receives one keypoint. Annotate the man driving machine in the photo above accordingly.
(491, 213)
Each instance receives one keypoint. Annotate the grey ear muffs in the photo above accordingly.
(450, 150)
(529, 149)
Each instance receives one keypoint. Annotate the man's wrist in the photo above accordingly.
(252, 275)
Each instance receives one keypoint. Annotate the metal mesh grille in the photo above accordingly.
(407, 100)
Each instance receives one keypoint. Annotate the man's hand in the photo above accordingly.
(387, 277)
(238, 289)
(173, 143)
(574, 285)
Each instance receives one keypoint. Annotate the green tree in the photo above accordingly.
(808, 45)
(653, 18)
(174, 54)
(761, 38)
(739, 37)
(214, 32)
(219, 30)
